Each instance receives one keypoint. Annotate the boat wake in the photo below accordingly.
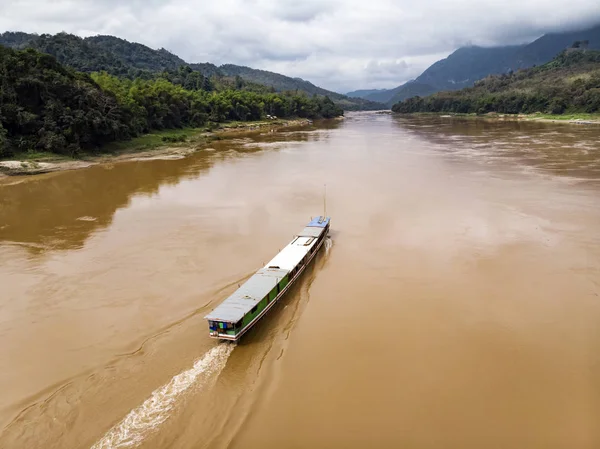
(146, 418)
(328, 244)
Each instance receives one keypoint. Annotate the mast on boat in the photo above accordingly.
(325, 202)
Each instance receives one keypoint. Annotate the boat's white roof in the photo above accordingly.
(311, 231)
(292, 254)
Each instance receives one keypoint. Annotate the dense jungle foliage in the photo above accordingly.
(122, 58)
(45, 106)
(569, 83)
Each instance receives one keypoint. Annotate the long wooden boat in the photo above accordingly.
(238, 313)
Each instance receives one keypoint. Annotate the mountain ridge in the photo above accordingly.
(131, 59)
(569, 83)
(466, 65)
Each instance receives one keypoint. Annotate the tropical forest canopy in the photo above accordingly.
(568, 83)
(46, 106)
(132, 60)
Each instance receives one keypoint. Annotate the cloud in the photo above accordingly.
(338, 44)
(299, 11)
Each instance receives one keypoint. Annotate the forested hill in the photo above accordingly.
(284, 83)
(468, 64)
(385, 96)
(46, 106)
(136, 55)
(73, 51)
(123, 58)
(568, 83)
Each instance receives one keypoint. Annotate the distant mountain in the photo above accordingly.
(363, 93)
(469, 64)
(384, 95)
(569, 83)
(411, 89)
(276, 80)
(285, 83)
(123, 58)
(549, 45)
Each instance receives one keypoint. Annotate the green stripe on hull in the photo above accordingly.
(284, 282)
(250, 316)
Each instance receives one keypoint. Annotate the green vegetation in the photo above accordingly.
(570, 83)
(132, 60)
(175, 139)
(155, 139)
(285, 83)
(100, 53)
(42, 155)
(47, 107)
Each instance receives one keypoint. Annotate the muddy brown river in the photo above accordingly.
(456, 305)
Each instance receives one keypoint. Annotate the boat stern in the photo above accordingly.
(222, 330)
(220, 336)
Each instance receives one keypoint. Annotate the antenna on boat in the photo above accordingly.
(325, 202)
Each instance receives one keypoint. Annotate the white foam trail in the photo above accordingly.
(328, 245)
(146, 418)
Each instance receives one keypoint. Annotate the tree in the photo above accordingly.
(239, 82)
(4, 143)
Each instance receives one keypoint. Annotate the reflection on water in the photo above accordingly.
(61, 210)
(566, 150)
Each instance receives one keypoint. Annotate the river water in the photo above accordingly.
(455, 306)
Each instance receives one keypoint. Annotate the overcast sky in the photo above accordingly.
(341, 45)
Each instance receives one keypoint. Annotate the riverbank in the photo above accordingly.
(168, 144)
(575, 119)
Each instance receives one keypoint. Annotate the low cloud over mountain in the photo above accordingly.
(338, 44)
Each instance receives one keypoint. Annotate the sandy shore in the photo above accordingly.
(198, 142)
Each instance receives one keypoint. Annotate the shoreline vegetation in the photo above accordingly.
(165, 144)
(50, 110)
(568, 85)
